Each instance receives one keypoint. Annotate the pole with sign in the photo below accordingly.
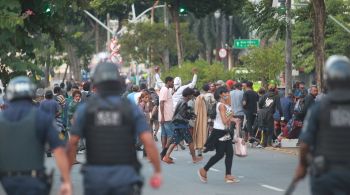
(246, 43)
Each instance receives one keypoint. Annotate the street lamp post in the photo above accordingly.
(217, 15)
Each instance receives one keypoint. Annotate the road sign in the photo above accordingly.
(245, 43)
(222, 53)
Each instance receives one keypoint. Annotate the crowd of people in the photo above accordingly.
(111, 121)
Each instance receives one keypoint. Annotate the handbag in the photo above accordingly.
(240, 149)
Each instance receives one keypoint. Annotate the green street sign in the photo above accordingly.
(245, 43)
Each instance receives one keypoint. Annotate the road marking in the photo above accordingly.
(272, 188)
(215, 170)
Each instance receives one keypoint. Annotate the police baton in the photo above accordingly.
(291, 187)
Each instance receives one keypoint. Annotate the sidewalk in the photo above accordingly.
(291, 151)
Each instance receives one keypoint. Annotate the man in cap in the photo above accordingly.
(24, 130)
(326, 133)
(109, 125)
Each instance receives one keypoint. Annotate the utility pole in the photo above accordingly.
(288, 68)
(108, 25)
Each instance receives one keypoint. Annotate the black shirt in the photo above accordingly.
(251, 98)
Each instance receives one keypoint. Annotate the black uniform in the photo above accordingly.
(24, 130)
(327, 131)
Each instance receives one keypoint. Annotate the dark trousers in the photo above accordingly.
(335, 182)
(222, 149)
(250, 117)
(24, 185)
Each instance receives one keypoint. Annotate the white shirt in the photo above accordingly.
(218, 124)
(159, 83)
(177, 96)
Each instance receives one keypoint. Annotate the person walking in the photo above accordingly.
(221, 138)
(109, 124)
(24, 131)
(326, 133)
(181, 127)
(166, 114)
(200, 130)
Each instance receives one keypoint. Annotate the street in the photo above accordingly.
(262, 172)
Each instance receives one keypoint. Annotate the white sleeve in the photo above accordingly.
(193, 83)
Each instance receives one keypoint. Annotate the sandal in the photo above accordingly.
(202, 178)
(231, 179)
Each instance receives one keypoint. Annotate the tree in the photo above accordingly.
(264, 63)
(319, 19)
(200, 8)
(140, 37)
(266, 20)
(303, 34)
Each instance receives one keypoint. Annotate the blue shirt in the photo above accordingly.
(237, 102)
(45, 124)
(125, 173)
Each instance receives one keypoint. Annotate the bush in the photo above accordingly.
(206, 72)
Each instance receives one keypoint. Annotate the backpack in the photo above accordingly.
(212, 111)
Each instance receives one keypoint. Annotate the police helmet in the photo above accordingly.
(105, 71)
(19, 88)
(337, 72)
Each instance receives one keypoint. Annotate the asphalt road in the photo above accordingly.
(261, 172)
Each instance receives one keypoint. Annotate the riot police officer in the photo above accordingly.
(24, 130)
(326, 134)
(110, 124)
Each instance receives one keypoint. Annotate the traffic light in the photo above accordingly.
(48, 9)
(182, 11)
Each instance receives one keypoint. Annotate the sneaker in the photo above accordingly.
(155, 138)
(182, 147)
(259, 146)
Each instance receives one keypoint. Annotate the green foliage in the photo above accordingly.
(303, 52)
(264, 63)
(144, 39)
(265, 19)
(206, 72)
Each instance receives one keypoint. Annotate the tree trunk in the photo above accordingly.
(74, 62)
(288, 68)
(175, 14)
(208, 40)
(65, 73)
(47, 71)
(166, 54)
(319, 39)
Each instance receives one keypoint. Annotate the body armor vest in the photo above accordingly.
(110, 133)
(334, 133)
(20, 147)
